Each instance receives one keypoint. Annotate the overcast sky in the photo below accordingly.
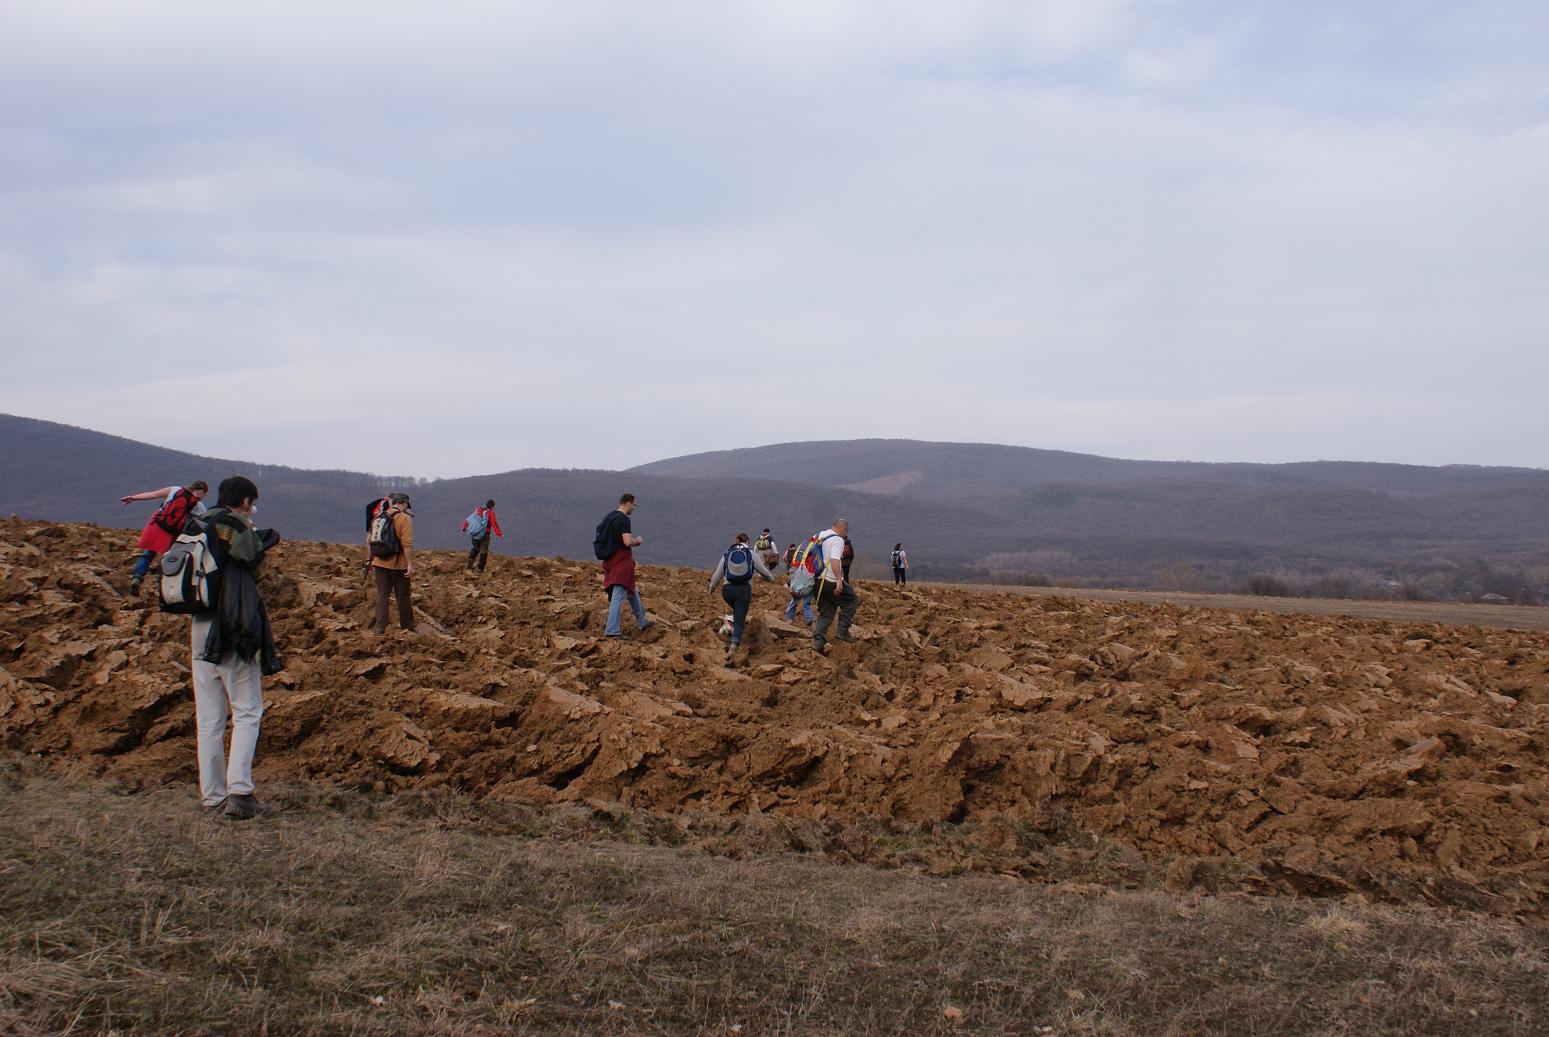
(576, 234)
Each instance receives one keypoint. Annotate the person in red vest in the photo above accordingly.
(178, 505)
(482, 519)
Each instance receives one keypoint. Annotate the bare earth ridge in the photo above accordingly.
(1312, 754)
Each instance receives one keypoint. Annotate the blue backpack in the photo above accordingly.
(739, 563)
(478, 524)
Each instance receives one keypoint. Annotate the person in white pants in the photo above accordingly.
(231, 688)
(238, 683)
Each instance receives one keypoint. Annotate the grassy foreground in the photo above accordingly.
(354, 913)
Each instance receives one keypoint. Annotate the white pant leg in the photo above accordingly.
(244, 687)
(210, 718)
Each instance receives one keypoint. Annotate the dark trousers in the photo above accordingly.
(392, 582)
(738, 596)
(479, 551)
(846, 602)
(900, 575)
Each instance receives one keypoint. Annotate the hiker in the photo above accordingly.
(834, 593)
(847, 558)
(738, 564)
(178, 505)
(612, 543)
(765, 546)
(795, 556)
(233, 649)
(900, 566)
(479, 526)
(390, 557)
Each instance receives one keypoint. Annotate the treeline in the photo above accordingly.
(1471, 579)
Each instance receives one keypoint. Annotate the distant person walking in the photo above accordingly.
(233, 648)
(834, 593)
(178, 505)
(900, 566)
(390, 556)
(848, 558)
(765, 544)
(738, 564)
(613, 543)
(479, 526)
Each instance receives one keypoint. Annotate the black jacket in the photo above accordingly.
(240, 623)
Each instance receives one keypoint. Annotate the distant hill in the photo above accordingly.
(1085, 517)
(965, 511)
(63, 473)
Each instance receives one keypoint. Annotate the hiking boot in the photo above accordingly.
(244, 808)
(134, 587)
(820, 647)
(843, 635)
(213, 809)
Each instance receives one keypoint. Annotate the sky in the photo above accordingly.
(467, 237)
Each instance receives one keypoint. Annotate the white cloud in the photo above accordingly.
(1053, 224)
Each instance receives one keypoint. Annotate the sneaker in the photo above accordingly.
(213, 809)
(243, 808)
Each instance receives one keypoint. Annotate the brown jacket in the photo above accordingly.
(403, 525)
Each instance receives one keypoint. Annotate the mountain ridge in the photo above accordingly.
(966, 511)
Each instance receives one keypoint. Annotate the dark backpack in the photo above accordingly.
(606, 540)
(173, 516)
(383, 539)
(898, 559)
(739, 564)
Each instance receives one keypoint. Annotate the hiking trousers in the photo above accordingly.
(233, 688)
(845, 602)
(805, 601)
(392, 582)
(479, 552)
(900, 575)
(617, 595)
(142, 564)
(739, 596)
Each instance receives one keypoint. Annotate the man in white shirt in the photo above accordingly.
(834, 594)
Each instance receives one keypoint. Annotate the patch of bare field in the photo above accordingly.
(432, 912)
(1447, 613)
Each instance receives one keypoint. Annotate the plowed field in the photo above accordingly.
(1311, 754)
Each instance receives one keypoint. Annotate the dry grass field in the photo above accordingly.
(432, 913)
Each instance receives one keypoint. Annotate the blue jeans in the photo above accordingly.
(806, 605)
(738, 596)
(616, 595)
(142, 565)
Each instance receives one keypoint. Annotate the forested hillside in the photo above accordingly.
(965, 511)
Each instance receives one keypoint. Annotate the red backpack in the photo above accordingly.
(173, 515)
